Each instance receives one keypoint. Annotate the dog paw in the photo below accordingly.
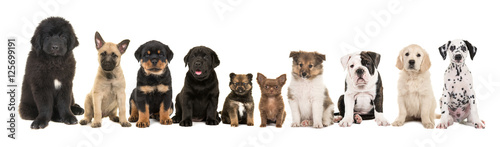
(305, 123)
(125, 124)
(39, 124)
(479, 125)
(357, 119)
(278, 125)
(318, 125)
(142, 124)
(77, 110)
(95, 124)
(263, 125)
(295, 124)
(249, 124)
(155, 116)
(212, 122)
(114, 119)
(346, 122)
(133, 118)
(84, 122)
(69, 120)
(186, 123)
(166, 122)
(176, 119)
(398, 123)
(382, 122)
(337, 119)
(428, 125)
(444, 124)
(234, 124)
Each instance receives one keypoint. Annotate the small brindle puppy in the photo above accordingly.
(238, 107)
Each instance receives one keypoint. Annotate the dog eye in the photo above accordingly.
(103, 54)
(244, 84)
(407, 54)
(161, 55)
(418, 55)
(267, 87)
(275, 87)
(352, 66)
(310, 65)
(300, 65)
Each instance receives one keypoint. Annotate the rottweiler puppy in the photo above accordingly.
(152, 98)
(199, 97)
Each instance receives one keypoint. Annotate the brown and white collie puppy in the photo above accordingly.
(307, 94)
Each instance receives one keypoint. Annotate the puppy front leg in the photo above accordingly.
(187, 113)
(89, 113)
(97, 101)
(446, 119)
(249, 109)
(45, 105)
(263, 118)
(166, 109)
(379, 117)
(400, 120)
(349, 111)
(294, 105)
(474, 115)
(233, 116)
(280, 118)
(64, 103)
(426, 113)
(121, 98)
(317, 107)
(212, 115)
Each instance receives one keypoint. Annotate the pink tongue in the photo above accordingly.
(197, 72)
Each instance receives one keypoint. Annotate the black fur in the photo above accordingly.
(472, 49)
(51, 58)
(199, 97)
(155, 98)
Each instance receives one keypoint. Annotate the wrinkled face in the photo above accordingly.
(271, 87)
(55, 44)
(307, 65)
(241, 84)
(457, 50)
(361, 67)
(412, 58)
(201, 61)
(154, 57)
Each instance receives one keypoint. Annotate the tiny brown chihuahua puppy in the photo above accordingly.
(271, 106)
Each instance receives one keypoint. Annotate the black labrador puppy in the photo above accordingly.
(199, 97)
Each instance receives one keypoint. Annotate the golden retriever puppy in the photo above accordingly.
(415, 96)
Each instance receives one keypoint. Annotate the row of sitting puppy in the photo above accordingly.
(47, 87)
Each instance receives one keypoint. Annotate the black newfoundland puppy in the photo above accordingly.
(48, 79)
(199, 97)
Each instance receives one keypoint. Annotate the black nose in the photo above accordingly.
(304, 74)
(360, 71)
(154, 61)
(55, 47)
(458, 57)
(412, 62)
(197, 63)
(240, 89)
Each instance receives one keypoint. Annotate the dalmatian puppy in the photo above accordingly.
(458, 101)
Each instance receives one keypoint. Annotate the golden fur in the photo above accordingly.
(415, 96)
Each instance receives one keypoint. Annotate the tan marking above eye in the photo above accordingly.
(158, 51)
(149, 52)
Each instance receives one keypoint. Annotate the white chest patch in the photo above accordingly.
(57, 84)
(241, 108)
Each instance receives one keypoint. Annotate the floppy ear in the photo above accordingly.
(138, 53)
(344, 60)
(294, 55)
(215, 59)
(186, 58)
(399, 62)
(73, 40)
(260, 79)
(443, 49)
(122, 46)
(472, 49)
(170, 54)
(375, 57)
(282, 79)
(426, 62)
(249, 76)
(37, 42)
(319, 57)
(99, 42)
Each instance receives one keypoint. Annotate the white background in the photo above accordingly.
(257, 36)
